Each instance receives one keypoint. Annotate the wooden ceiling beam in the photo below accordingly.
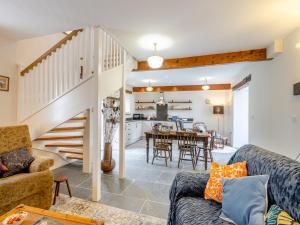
(183, 88)
(206, 60)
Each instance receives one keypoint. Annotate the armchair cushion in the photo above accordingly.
(186, 185)
(17, 161)
(23, 185)
(40, 164)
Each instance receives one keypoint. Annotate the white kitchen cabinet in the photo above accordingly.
(133, 132)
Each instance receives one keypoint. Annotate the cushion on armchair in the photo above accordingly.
(17, 161)
(40, 164)
(3, 168)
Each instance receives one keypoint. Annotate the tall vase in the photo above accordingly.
(107, 163)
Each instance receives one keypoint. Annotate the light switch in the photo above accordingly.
(294, 119)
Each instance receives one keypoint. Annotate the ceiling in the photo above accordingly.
(217, 74)
(195, 27)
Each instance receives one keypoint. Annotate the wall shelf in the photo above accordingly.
(189, 108)
(173, 109)
(145, 102)
(180, 102)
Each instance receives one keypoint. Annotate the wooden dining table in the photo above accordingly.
(201, 137)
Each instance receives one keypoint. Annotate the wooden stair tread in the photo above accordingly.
(68, 145)
(71, 151)
(78, 118)
(74, 157)
(58, 138)
(67, 128)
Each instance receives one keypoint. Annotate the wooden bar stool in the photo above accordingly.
(57, 181)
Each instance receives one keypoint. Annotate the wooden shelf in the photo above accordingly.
(181, 109)
(168, 109)
(145, 102)
(180, 102)
(144, 109)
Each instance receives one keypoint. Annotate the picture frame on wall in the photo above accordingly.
(4, 83)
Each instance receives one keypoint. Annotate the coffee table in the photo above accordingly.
(34, 214)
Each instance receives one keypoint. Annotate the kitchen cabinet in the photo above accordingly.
(133, 132)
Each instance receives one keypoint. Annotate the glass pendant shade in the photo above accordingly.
(155, 61)
(205, 87)
(149, 88)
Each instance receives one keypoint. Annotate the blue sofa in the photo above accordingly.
(187, 203)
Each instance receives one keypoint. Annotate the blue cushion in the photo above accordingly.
(245, 200)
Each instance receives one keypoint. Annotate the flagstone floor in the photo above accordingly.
(146, 187)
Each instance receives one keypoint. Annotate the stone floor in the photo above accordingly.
(146, 187)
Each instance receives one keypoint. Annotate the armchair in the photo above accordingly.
(33, 188)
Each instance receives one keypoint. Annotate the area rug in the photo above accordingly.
(111, 215)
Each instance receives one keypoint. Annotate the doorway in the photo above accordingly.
(241, 117)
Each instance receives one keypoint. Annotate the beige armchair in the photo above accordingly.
(33, 188)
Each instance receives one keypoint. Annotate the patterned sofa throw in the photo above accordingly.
(17, 161)
(245, 200)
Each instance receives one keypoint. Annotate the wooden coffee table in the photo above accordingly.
(34, 214)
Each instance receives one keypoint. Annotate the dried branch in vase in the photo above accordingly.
(111, 115)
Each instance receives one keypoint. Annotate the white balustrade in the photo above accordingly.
(61, 71)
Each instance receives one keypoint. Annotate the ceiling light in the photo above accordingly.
(149, 88)
(155, 61)
(205, 87)
(298, 45)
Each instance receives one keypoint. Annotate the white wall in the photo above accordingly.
(240, 117)
(200, 110)
(29, 50)
(274, 111)
(8, 100)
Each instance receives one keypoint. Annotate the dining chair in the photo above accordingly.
(162, 147)
(210, 147)
(187, 146)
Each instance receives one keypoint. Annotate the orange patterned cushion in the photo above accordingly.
(214, 187)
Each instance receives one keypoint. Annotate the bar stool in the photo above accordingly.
(58, 180)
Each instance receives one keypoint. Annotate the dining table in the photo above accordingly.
(201, 137)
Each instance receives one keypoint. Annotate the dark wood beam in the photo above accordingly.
(242, 83)
(183, 88)
(206, 60)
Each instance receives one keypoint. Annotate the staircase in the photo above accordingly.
(67, 80)
(66, 140)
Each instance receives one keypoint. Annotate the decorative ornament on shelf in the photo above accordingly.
(155, 61)
(111, 115)
(205, 87)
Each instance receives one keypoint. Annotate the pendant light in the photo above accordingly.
(155, 61)
(205, 87)
(162, 99)
(149, 88)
